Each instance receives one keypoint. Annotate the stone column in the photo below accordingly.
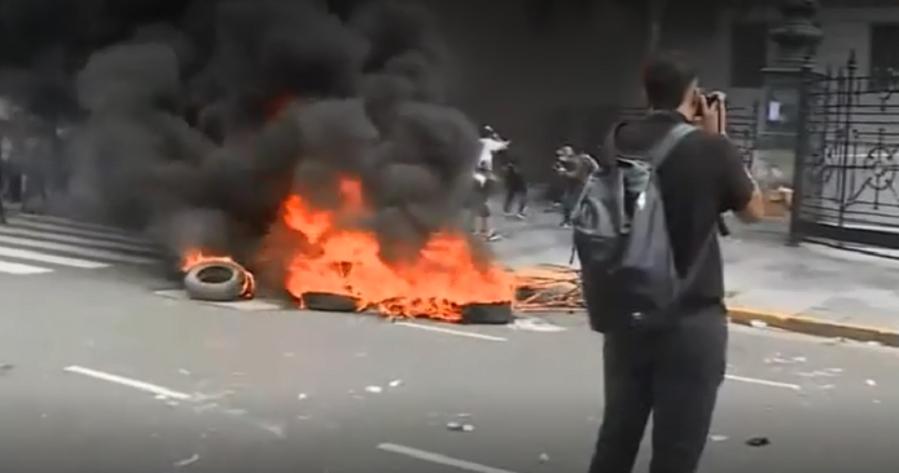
(796, 38)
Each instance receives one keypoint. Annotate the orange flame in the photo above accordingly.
(437, 284)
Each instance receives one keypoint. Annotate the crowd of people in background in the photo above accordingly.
(499, 166)
(31, 164)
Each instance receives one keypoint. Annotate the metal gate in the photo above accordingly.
(846, 159)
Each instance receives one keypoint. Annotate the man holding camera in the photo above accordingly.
(574, 169)
(674, 372)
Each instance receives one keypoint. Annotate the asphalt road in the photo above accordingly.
(210, 389)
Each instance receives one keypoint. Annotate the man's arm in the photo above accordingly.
(739, 191)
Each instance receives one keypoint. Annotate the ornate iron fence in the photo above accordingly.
(847, 159)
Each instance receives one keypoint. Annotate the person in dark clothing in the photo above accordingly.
(516, 187)
(575, 169)
(674, 373)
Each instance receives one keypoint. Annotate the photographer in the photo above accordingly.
(673, 372)
(574, 170)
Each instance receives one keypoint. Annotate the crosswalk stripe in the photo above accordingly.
(19, 268)
(5, 230)
(72, 223)
(76, 250)
(55, 227)
(17, 253)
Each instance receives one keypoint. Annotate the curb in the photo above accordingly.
(813, 326)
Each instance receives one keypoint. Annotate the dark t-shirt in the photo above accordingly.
(703, 177)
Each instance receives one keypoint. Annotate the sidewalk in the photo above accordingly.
(811, 289)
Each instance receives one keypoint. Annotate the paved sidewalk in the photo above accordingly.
(810, 288)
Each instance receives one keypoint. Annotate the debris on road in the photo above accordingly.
(533, 324)
(758, 324)
(544, 458)
(184, 372)
(396, 383)
(275, 429)
(459, 427)
(302, 396)
(548, 287)
(187, 461)
(874, 344)
(6, 367)
(718, 438)
(758, 442)
(374, 389)
(871, 383)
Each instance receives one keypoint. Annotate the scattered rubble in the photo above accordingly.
(396, 383)
(187, 461)
(758, 442)
(302, 396)
(548, 287)
(871, 383)
(544, 458)
(758, 324)
(719, 438)
(459, 427)
(374, 389)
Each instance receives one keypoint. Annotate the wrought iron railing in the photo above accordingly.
(848, 159)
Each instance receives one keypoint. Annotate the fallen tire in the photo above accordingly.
(328, 302)
(215, 281)
(499, 313)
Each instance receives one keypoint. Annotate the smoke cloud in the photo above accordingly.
(196, 119)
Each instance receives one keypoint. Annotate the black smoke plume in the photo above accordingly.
(194, 120)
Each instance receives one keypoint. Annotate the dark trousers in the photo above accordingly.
(515, 193)
(673, 373)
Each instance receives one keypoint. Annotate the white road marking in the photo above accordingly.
(18, 268)
(764, 382)
(439, 459)
(76, 250)
(252, 305)
(69, 222)
(448, 331)
(133, 383)
(52, 236)
(51, 259)
(53, 227)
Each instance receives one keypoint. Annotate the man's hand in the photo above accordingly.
(711, 118)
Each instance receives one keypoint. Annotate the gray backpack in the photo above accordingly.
(621, 238)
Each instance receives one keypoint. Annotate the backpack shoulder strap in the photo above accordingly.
(660, 152)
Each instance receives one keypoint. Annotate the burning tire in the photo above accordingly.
(216, 281)
(327, 302)
(499, 313)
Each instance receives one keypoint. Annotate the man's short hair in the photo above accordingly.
(666, 78)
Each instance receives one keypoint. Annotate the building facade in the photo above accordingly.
(547, 72)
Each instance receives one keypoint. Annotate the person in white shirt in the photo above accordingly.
(491, 143)
(484, 182)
